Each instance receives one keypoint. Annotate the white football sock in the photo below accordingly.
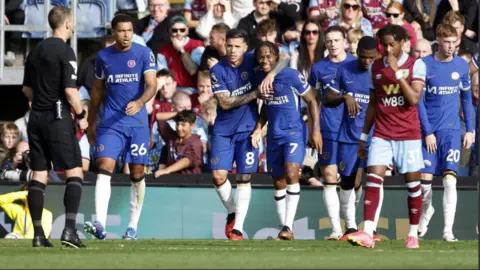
(225, 193)
(242, 201)
(330, 198)
(369, 227)
(379, 209)
(413, 231)
(358, 195)
(137, 195)
(347, 206)
(427, 195)
(449, 202)
(103, 190)
(280, 201)
(293, 196)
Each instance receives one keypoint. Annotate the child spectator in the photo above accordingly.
(353, 37)
(204, 86)
(10, 137)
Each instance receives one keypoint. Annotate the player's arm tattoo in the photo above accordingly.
(150, 79)
(227, 102)
(188, 63)
(282, 63)
(412, 94)
(371, 112)
(313, 110)
(28, 92)
(96, 98)
(179, 165)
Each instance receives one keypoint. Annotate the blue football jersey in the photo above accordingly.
(352, 80)
(236, 81)
(320, 77)
(123, 72)
(283, 111)
(444, 83)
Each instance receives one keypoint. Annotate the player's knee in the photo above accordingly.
(219, 177)
(330, 174)
(243, 179)
(293, 176)
(449, 180)
(137, 177)
(279, 183)
(347, 183)
(104, 172)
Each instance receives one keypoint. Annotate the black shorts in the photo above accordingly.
(53, 140)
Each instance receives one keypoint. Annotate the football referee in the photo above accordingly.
(50, 83)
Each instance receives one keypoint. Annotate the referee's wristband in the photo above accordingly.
(81, 115)
(364, 137)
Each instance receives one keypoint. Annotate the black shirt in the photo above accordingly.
(50, 68)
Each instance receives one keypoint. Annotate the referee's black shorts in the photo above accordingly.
(53, 140)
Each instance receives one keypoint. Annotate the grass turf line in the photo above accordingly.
(244, 254)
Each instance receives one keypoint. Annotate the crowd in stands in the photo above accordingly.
(185, 42)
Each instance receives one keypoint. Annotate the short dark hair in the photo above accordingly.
(165, 72)
(367, 43)
(121, 18)
(273, 48)
(335, 28)
(396, 31)
(222, 28)
(237, 33)
(186, 116)
(58, 15)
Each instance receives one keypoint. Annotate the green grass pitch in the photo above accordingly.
(246, 254)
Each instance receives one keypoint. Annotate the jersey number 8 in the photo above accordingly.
(136, 151)
(250, 158)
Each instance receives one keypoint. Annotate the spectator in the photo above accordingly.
(422, 48)
(395, 15)
(267, 31)
(81, 135)
(310, 50)
(418, 29)
(16, 165)
(9, 135)
(353, 37)
(467, 8)
(262, 12)
(458, 21)
(241, 8)
(162, 105)
(295, 9)
(182, 54)
(219, 11)
(183, 151)
(209, 113)
(324, 11)
(423, 12)
(153, 27)
(193, 10)
(351, 17)
(216, 49)
(13, 15)
(474, 170)
(374, 11)
(204, 86)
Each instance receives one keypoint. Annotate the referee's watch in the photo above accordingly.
(81, 115)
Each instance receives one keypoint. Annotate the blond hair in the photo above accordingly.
(10, 128)
(354, 35)
(357, 22)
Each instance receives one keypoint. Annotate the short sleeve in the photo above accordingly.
(99, 72)
(371, 85)
(188, 5)
(69, 69)
(216, 78)
(149, 61)
(465, 79)
(334, 84)
(299, 83)
(419, 71)
(194, 152)
(196, 55)
(161, 62)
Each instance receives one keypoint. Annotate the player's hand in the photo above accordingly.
(211, 62)
(392, 61)
(468, 140)
(266, 87)
(83, 124)
(316, 141)
(362, 150)
(431, 142)
(354, 108)
(256, 137)
(134, 107)
(91, 134)
(161, 172)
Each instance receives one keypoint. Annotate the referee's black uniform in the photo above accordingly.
(50, 69)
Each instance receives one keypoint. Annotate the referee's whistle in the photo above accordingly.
(59, 109)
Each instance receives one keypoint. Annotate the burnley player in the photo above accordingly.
(350, 87)
(286, 132)
(397, 133)
(330, 118)
(125, 81)
(445, 78)
(474, 64)
(237, 114)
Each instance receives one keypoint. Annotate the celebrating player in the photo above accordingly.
(350, 87)
(442, 75)
(232, 80)
(286, 132)
(127, 71)
(397, 134)
(330, 118)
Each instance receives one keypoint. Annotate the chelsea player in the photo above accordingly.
(125, 81)
(446, 80)
(286, 132)
(330, 118)
(237, 113)
(350, 87)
